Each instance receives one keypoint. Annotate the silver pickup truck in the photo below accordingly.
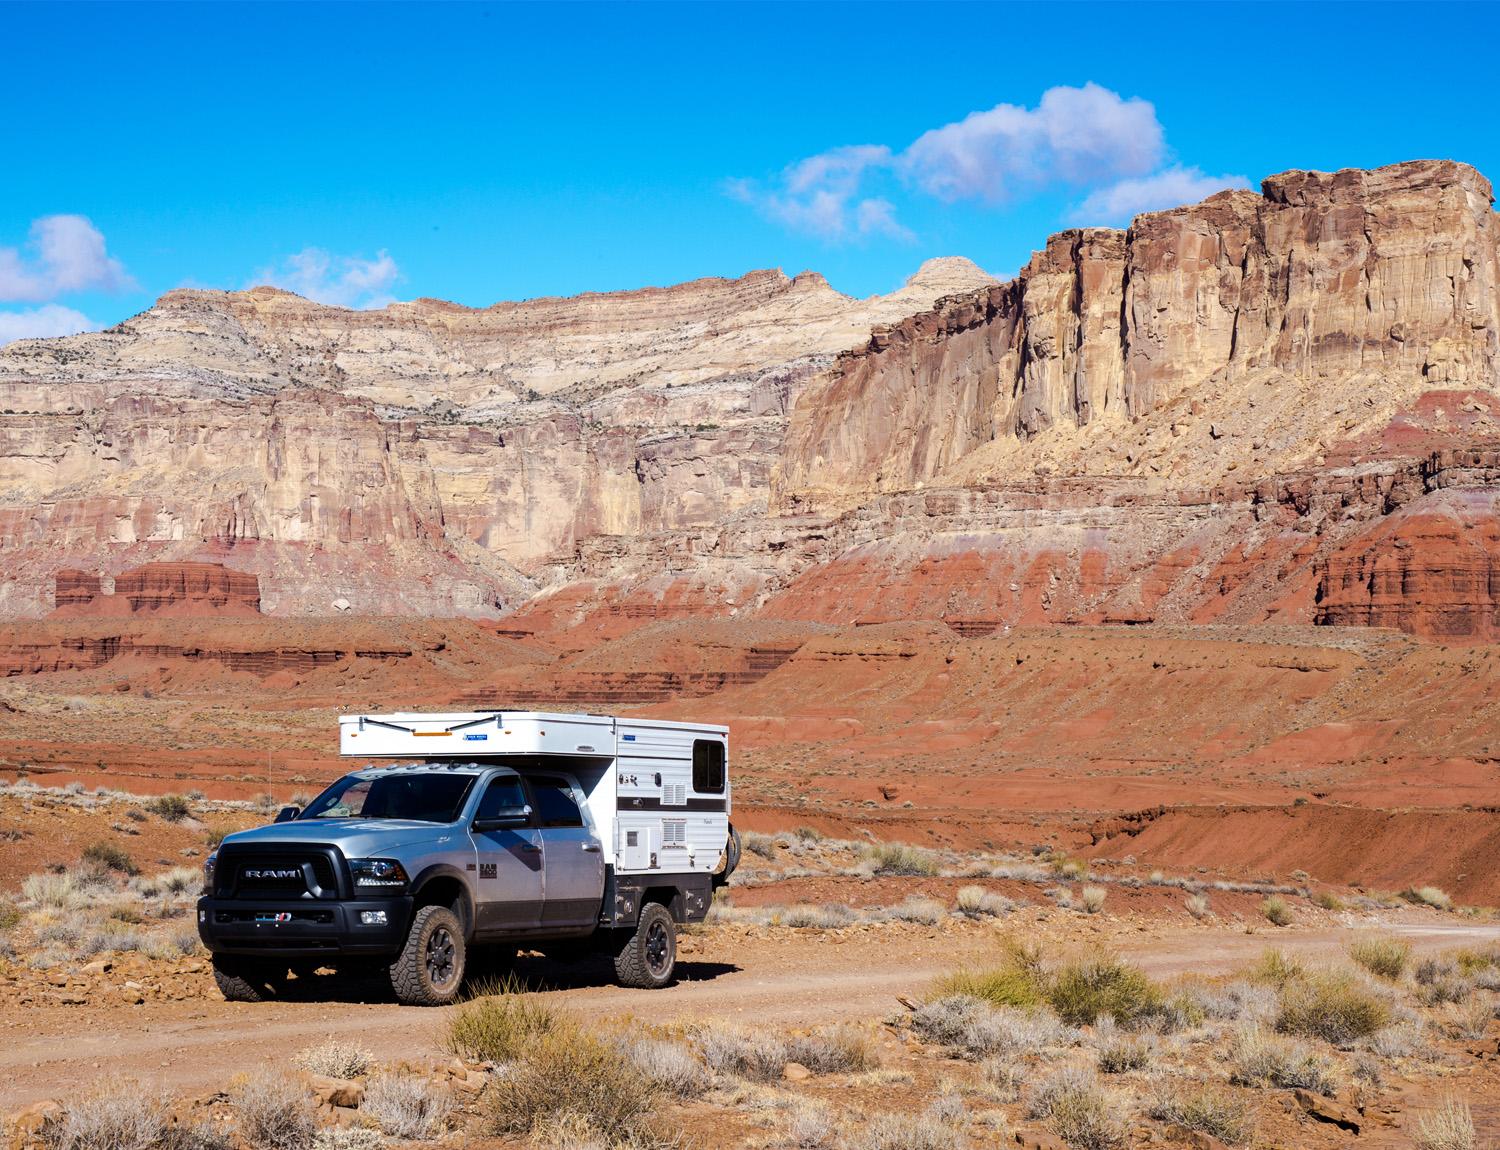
(425, 867)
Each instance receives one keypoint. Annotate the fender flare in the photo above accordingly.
(436, 871)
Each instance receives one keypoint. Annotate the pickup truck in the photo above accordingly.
(575, 833)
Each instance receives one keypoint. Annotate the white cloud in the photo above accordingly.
(1086, 139)
(1120, 202)
(820, 195)
(65, 254)
(43, 322)
(344, 281)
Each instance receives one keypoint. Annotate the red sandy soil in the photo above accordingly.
(1358, 755)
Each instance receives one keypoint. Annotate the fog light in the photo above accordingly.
(372, 918)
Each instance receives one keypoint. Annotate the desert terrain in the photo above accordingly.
(1127, 625)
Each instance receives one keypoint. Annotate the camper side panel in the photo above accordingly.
(665, 823)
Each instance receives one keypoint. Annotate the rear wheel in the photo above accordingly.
(648, 957)
(430, 967)
(244, 980)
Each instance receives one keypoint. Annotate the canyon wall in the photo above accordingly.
(1229, 412)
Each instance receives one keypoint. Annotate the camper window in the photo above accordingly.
(708, 767)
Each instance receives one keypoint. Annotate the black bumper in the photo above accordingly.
(300, 928)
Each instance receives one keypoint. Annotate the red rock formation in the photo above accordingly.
(185, 589)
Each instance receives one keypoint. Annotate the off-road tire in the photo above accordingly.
(242, 980)
(430, 968)
(733, 849)
(647, 958)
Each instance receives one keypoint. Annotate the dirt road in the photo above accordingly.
(781, 977)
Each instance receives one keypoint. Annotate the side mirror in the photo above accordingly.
(287, 814)
(505, 817)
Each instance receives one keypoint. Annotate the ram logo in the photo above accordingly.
(273, 873)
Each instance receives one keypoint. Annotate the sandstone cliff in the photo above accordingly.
(1234, 411)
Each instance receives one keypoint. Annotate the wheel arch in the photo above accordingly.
(444, 885)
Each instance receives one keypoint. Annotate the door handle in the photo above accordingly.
(592, 848)
(530, 848)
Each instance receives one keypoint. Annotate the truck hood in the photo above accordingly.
(357, 838)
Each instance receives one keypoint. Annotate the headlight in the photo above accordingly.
(378, 874)
(208, 873)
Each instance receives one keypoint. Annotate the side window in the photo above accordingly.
(708, 766)
(555, 803)
(504, 792)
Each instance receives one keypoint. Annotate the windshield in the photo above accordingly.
(423, 796)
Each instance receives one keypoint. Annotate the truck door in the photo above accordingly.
(508, 882)
(574, 882)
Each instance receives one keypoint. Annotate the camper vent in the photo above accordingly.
(674, 832)
(674, 795)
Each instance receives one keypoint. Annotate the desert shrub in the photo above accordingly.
(1197, 906)
(919, 909)
(1070, 868)
(808, 834)
(1276, 911)
(173, 808)
(829, 916)
(500, 1026)
(1093, 898)
(670, 1065)
(107, 856)
(135, 815)
(1428, 896)
(10, 915)
(900, 859)
(1275, 968)
(1439, 980)
(1019, 980)
(839, 1049)
(1078, 1110)
(273, 1112)
(1213, 1111)
(406, 1106)
(1328, 900)
(335, 1060)
(68, 890)
(1258, 1058)
(119, 1117)
(926, 1131)
(1447, 1126)
(1120, 1052)
(1406, 1037)
(1469, 1020)
(571, 1077)
(349, 1138)
(976, 902)
(757, 1055)
(759, 844)
(1083, 992)
(1386, 957)
(1332, 1005)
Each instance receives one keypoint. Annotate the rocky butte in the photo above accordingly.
(1277, 406)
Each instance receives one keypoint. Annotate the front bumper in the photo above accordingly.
(296, 928)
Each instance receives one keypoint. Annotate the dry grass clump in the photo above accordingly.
(1432, 896)
(1385, 957)
(1197, 906)
(335, 1060)
(1275, 968)
(1078, 1110)
(1469, 1020)
(107, 856)
(829, 916)
(1093, 898)
(930, 1130)
(668, 1064)
(976, 902)
(1439, 980)
(273, 1112)
(841, 1049)
(1208, 1109)
(500, 1026)
(1085, 991)
(1259, 1058)
(758, 1056)
(119, 1117)
(973, 1028)
(1020, 979)
(1121, 1052)
(919, 909)
(1447, 1126)
(759, 844)
(172, 808)
(406, 1106)
(1276, 911)
(900, 859)
(1404, 1038)
(348, 1138)
(568, 1078)
(1333, 1005)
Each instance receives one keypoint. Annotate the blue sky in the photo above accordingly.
(479, 152)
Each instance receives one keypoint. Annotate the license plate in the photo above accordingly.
(274, 916)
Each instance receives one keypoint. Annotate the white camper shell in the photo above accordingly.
(656, 792)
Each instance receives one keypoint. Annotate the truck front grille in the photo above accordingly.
(285, 872)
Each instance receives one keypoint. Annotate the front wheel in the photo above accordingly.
(648, 957)
(244, 980)
(430, 967)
